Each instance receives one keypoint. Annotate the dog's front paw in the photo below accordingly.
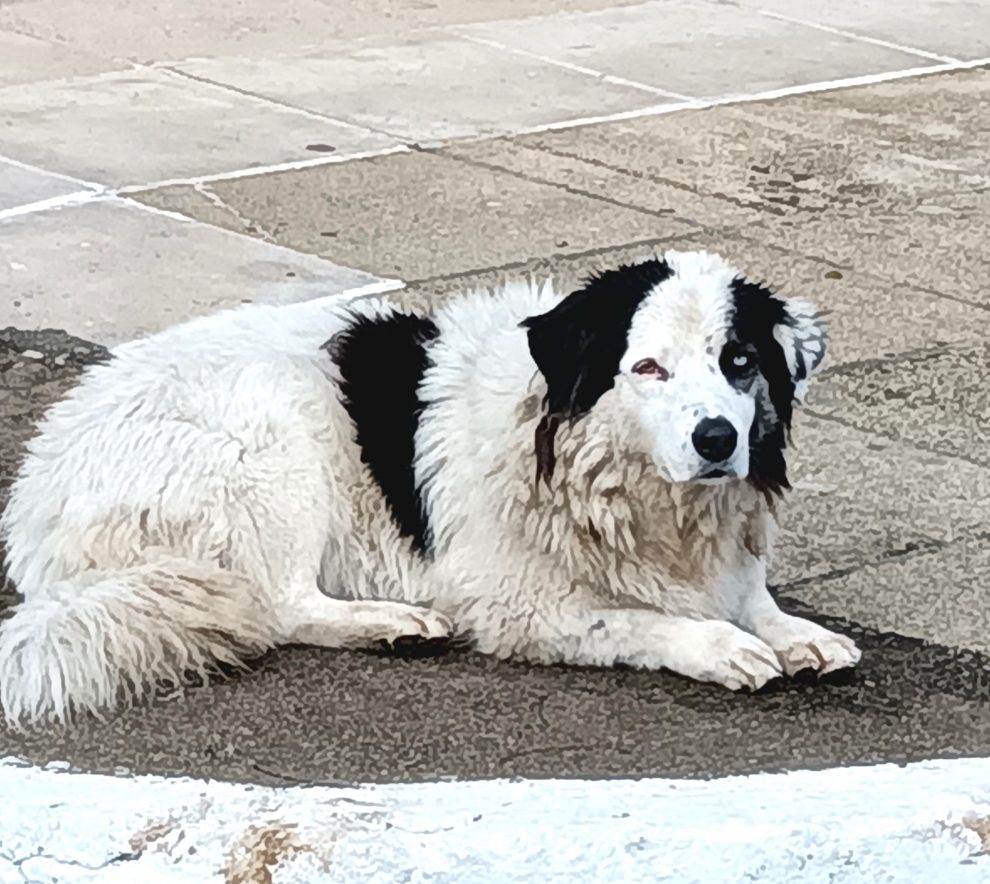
(724, 654)
(392, 621)
(803, 645)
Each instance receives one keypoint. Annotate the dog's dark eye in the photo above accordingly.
(738, 361)
(652, 368)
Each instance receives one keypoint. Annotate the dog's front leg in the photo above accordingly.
(705, 650)
(798, 643)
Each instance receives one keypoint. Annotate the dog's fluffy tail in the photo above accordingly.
(109, 638)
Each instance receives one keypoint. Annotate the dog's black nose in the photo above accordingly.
(714, 439)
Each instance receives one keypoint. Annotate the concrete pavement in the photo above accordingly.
(160, 169)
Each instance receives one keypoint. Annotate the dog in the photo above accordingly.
(585, 480)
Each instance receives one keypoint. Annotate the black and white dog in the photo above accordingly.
(586, 480)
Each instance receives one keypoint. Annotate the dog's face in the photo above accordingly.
(706, 366)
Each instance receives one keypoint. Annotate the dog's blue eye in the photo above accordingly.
(741, 361)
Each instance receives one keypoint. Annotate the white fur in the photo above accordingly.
(186, 502)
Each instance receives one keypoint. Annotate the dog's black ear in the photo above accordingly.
(577, 346)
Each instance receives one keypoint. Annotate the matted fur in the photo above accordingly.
(187, 502)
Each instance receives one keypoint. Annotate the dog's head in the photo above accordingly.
(705, 366)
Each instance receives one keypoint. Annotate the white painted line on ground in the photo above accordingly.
(862, 38)
(290, 166)
(928, 821)
(783, 92)
(28, 167)
(568, 66)
(54, 202)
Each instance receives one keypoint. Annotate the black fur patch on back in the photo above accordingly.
(756, 312)
(578, 345)
(382, 361)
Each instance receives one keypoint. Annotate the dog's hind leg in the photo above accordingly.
(312, 618)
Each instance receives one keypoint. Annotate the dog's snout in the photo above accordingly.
(714, 439)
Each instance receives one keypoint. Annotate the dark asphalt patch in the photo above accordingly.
(36, 369)
(312, 716)
(308, 716)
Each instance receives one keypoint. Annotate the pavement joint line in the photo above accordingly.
(167, 68)
(896, 438)
(862, 38)
(380, 286)
(507, 268)
(30, 167)
(271, 169)
(567, 188)
(929, 546)
(457, 30)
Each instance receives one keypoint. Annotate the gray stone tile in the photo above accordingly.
(175, 29)
(940, 596)
(421, 215)
(860, 498)
(958, 28)
(695, 48)
(123, 271)
(24, 59)
(930, 130)
(20, 186)
(609, 180)
(796, 173)
(130, 127)
(938, 399)
(425, 87)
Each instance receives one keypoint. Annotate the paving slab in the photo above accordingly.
(609, 181)
(24, 59)
(795, 173)
(695, 48)
(939, 595)
(933, 126)
(129, 127)
(123, 271)
(957, 28)
(420, 215)
(175, 29)
(415, 88)
(862, 498)
(937, 399)
(20, 186)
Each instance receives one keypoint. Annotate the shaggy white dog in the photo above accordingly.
(586, 480)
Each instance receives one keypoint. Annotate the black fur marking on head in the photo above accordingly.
(578, 345)
(756, 312)
(381, 362)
